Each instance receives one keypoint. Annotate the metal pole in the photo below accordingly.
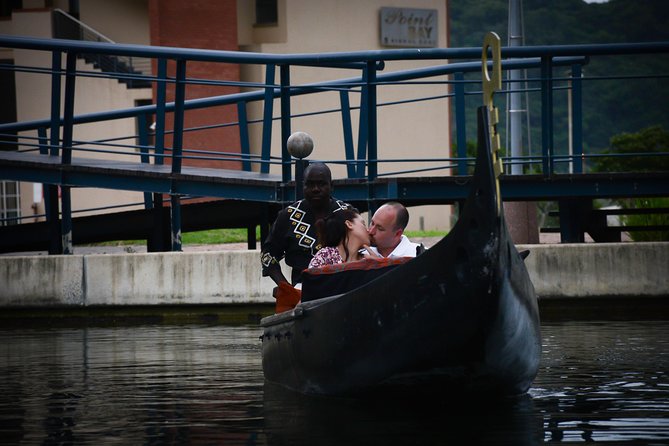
(461, 123)
(547, 114)
(55, 102)
(372, 155)
(577, 119)
(66, 220)
(268, 108)
(66, 151)
(515, 107)
(244, 137)
(284, 73)
(175, 215)
(177, 146)
(347, 128)
(179, 111)
(161, 95)
(68, 112)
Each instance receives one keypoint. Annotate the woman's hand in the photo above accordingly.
(369, 254)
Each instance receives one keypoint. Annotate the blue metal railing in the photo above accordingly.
(361, 164)
(549, 58)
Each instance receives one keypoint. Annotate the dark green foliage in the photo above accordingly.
(645, 143)
(648, 141)
(647, 219)
(610, 106)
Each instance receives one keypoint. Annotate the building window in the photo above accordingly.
(10, 203)
(267, 12)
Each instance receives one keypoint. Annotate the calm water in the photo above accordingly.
(600, 381)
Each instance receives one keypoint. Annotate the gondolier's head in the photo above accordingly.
(387, 226)
(317, 184)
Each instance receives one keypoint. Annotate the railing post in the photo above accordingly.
(68, 112)
(547, 114)
(51, 200)
(372, 167)
(244, 136)
(460, 122)
(144, 153)
(577, 117)
(267, 121)
(56, 60)
(66, 151)
(285, 122)
(53, 220)
(179, 98)
(177, 151)
(42, 141)
(175, 216)
(157, 238)
(362, 127)
(347, 128)
(66, 223)
(51, 191)
(372, 152)
(161, 95)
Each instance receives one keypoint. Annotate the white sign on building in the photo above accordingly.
(409, 27)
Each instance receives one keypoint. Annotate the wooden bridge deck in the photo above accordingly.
(251, 198)
(254, 186)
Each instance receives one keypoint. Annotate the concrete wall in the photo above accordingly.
(585, 270)
(134, 279)
(603, 269)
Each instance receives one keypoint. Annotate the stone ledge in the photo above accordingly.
(234, 277)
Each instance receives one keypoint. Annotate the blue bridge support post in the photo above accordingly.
(158, 238)
(66, 151)
(51, 200)
(177, 152)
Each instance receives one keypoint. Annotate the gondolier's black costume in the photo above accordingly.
(293, 236)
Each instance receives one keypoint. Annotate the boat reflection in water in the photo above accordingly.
(292, 418)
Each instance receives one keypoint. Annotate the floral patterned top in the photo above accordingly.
(328, 255)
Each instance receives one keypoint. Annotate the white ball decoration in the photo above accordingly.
(300, 145)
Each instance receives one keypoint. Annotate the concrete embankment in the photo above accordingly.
(561, 271)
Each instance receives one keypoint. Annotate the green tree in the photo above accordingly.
(644, 151)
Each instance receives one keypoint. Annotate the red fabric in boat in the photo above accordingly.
(330, 280)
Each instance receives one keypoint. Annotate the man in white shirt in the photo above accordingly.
(386, 232)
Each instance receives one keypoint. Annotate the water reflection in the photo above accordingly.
(605, 381)
(599, 381)
(302, 420)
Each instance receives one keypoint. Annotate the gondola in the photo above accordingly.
(461, 316)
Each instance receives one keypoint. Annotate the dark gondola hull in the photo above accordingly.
(462, 315)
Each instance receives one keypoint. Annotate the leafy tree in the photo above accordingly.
(651, 146)
(648, 219)
(645, 151)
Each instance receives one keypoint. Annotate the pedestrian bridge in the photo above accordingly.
(156, 161)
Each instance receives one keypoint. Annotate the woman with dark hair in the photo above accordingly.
(341, 234)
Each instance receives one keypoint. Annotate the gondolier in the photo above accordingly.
(293, 235)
